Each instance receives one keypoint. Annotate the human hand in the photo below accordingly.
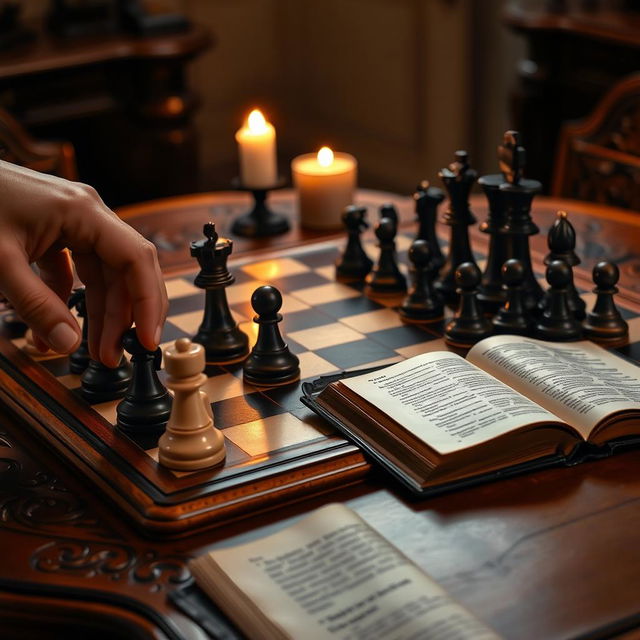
(42, 220)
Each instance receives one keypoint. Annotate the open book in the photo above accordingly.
(330, 576)
(438, 420)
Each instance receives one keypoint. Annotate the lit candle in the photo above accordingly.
(257, 148)
(325, 183)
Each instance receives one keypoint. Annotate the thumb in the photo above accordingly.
(46, 314)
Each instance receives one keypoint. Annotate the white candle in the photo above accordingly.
(325, 183)
(257, 148)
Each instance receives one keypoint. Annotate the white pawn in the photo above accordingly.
(191, 442)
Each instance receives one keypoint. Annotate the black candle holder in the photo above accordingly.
(260, 221)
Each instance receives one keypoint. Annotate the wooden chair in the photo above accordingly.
(19, 147)
(598, 158)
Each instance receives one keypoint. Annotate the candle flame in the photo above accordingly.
(325, 157)
(256, 122)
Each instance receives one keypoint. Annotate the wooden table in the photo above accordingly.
(547, 555)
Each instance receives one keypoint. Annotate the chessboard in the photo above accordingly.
(277, 449)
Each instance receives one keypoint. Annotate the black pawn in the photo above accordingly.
(557, 321)
(386, 278)
(604, 323)
(354, 264)
(13, 325)
(389, 210)
(219, 334)
(102, 384)
(513, 317)
(423, 304)
(79, 359)
(427, 199)
(468, 325)
(146, 406)
(270, 361)
(561, 240)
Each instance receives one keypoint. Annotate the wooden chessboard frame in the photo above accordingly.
(169, 504)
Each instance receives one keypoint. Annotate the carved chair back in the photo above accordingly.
(19, 147)
(598, 158)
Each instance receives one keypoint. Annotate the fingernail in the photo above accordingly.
(62, 338)
(157, 335)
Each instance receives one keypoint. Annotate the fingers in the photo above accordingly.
(39, 306)
(89, 270)
(117, 319)
(56, 271)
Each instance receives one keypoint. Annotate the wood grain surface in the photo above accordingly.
(549, 555)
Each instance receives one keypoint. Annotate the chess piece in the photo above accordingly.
(146, 405)
(219, 333)
(270, 362)
(190, 442)
(562, 241)
(423, 304)
(458, 178)
(468, 325)
(512, 317)
(354, 264)
(604, 323)
(13, 326)
(79, 359)
(427, 199)
(518, 193)
(99, 383)
(491, 293)
(389, 210)
(557, 322)
(386, 278)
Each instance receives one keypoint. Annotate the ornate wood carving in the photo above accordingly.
(599, 157)
(117, 562)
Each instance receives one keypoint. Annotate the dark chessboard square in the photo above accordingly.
(399, 337)
(630, 351)
(242, 409)
(305, 319)
(287, 396)
(170, 332)
(321, 258)
(349, 307)
(298, 281)
(355, 354)
(57, 366)
(627, 314)
(186, 304)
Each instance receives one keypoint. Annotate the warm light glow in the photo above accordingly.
(256, 122)
(325, 157)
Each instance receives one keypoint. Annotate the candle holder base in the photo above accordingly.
(260, 221)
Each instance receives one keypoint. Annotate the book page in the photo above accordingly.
(447, 402)
(579, 381)
(331, 576)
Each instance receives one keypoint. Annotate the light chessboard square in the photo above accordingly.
(274, 269)
(179, 287)
(324, 293)
(374, 320)
(261, 437)
(326, 335)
